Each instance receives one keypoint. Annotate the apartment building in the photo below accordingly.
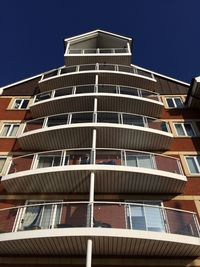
(100, 163)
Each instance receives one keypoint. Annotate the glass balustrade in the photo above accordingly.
(112, 157)
(97, 89)
(118, 215)
(100, 67)
(97, 117)
(98, 51)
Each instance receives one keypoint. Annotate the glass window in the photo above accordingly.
(45, 161)
(40, 216)
(139, 160)
(174, 102)
(2, 162)
(193, 163)
(147, 218)
(20, 103)
(9, 130)
(184, 129)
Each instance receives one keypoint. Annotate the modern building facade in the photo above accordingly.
(100, 163)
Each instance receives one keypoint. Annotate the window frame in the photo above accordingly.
(184, 129)
(174, 103)
(20, 105)
(10, 129)
(196, 163)
(3, 157)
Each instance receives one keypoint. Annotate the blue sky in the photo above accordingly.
(166, 33)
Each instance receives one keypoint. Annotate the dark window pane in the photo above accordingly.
(133, 120)
(82, 118)
(107, 117)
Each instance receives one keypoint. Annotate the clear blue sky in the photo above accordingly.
(166, 33)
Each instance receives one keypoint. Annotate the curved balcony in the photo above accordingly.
(92, 55)
(108, 74)
(116, 171)
(120, 228)
(110, 97)
(114, 129)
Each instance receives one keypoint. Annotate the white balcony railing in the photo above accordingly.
(98, 67)
(98, 89)
(112, 157)
(97, 117)
(120, 215)
(98, 51)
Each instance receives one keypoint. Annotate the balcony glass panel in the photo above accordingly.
(146, 218)
(149, 95)
(121, 50)
(34, 125)
(78, 157)
(82, 117)
(43, 96)
(75, 51)
(129, 91)
(139, 160)
(49, 160)
(144, 73)
(107, 117)
(68, 70)
(57, 120)
(109, 157)
(50, 74)
(126, 69)
(107, 67)
(107, 89)
(133, 216)
(133, 120)
(90, 51)
(85, 89)
(63, 91)
(87, 67)
(157, 125)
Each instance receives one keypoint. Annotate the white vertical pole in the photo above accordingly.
(91, 193)
(89, 253)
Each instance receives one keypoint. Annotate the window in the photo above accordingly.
(2, 162)
(175, 102)
(149, 218)
(40, 216)
(20, 103)
(45, 161)
(139, 160)
(9, 129)
(193, 163)
(184, 129)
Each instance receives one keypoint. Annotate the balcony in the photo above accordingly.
(91, 56)
(109, 74)
(116, 171)
(123, 229)
(114, 129)
(110, 97)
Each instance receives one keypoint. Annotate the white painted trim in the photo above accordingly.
(96, 125)
(91, 33)
(100, 232)
(138, 98)
(95, 167)
(161, 75)
(27, 79)
(97, 72)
